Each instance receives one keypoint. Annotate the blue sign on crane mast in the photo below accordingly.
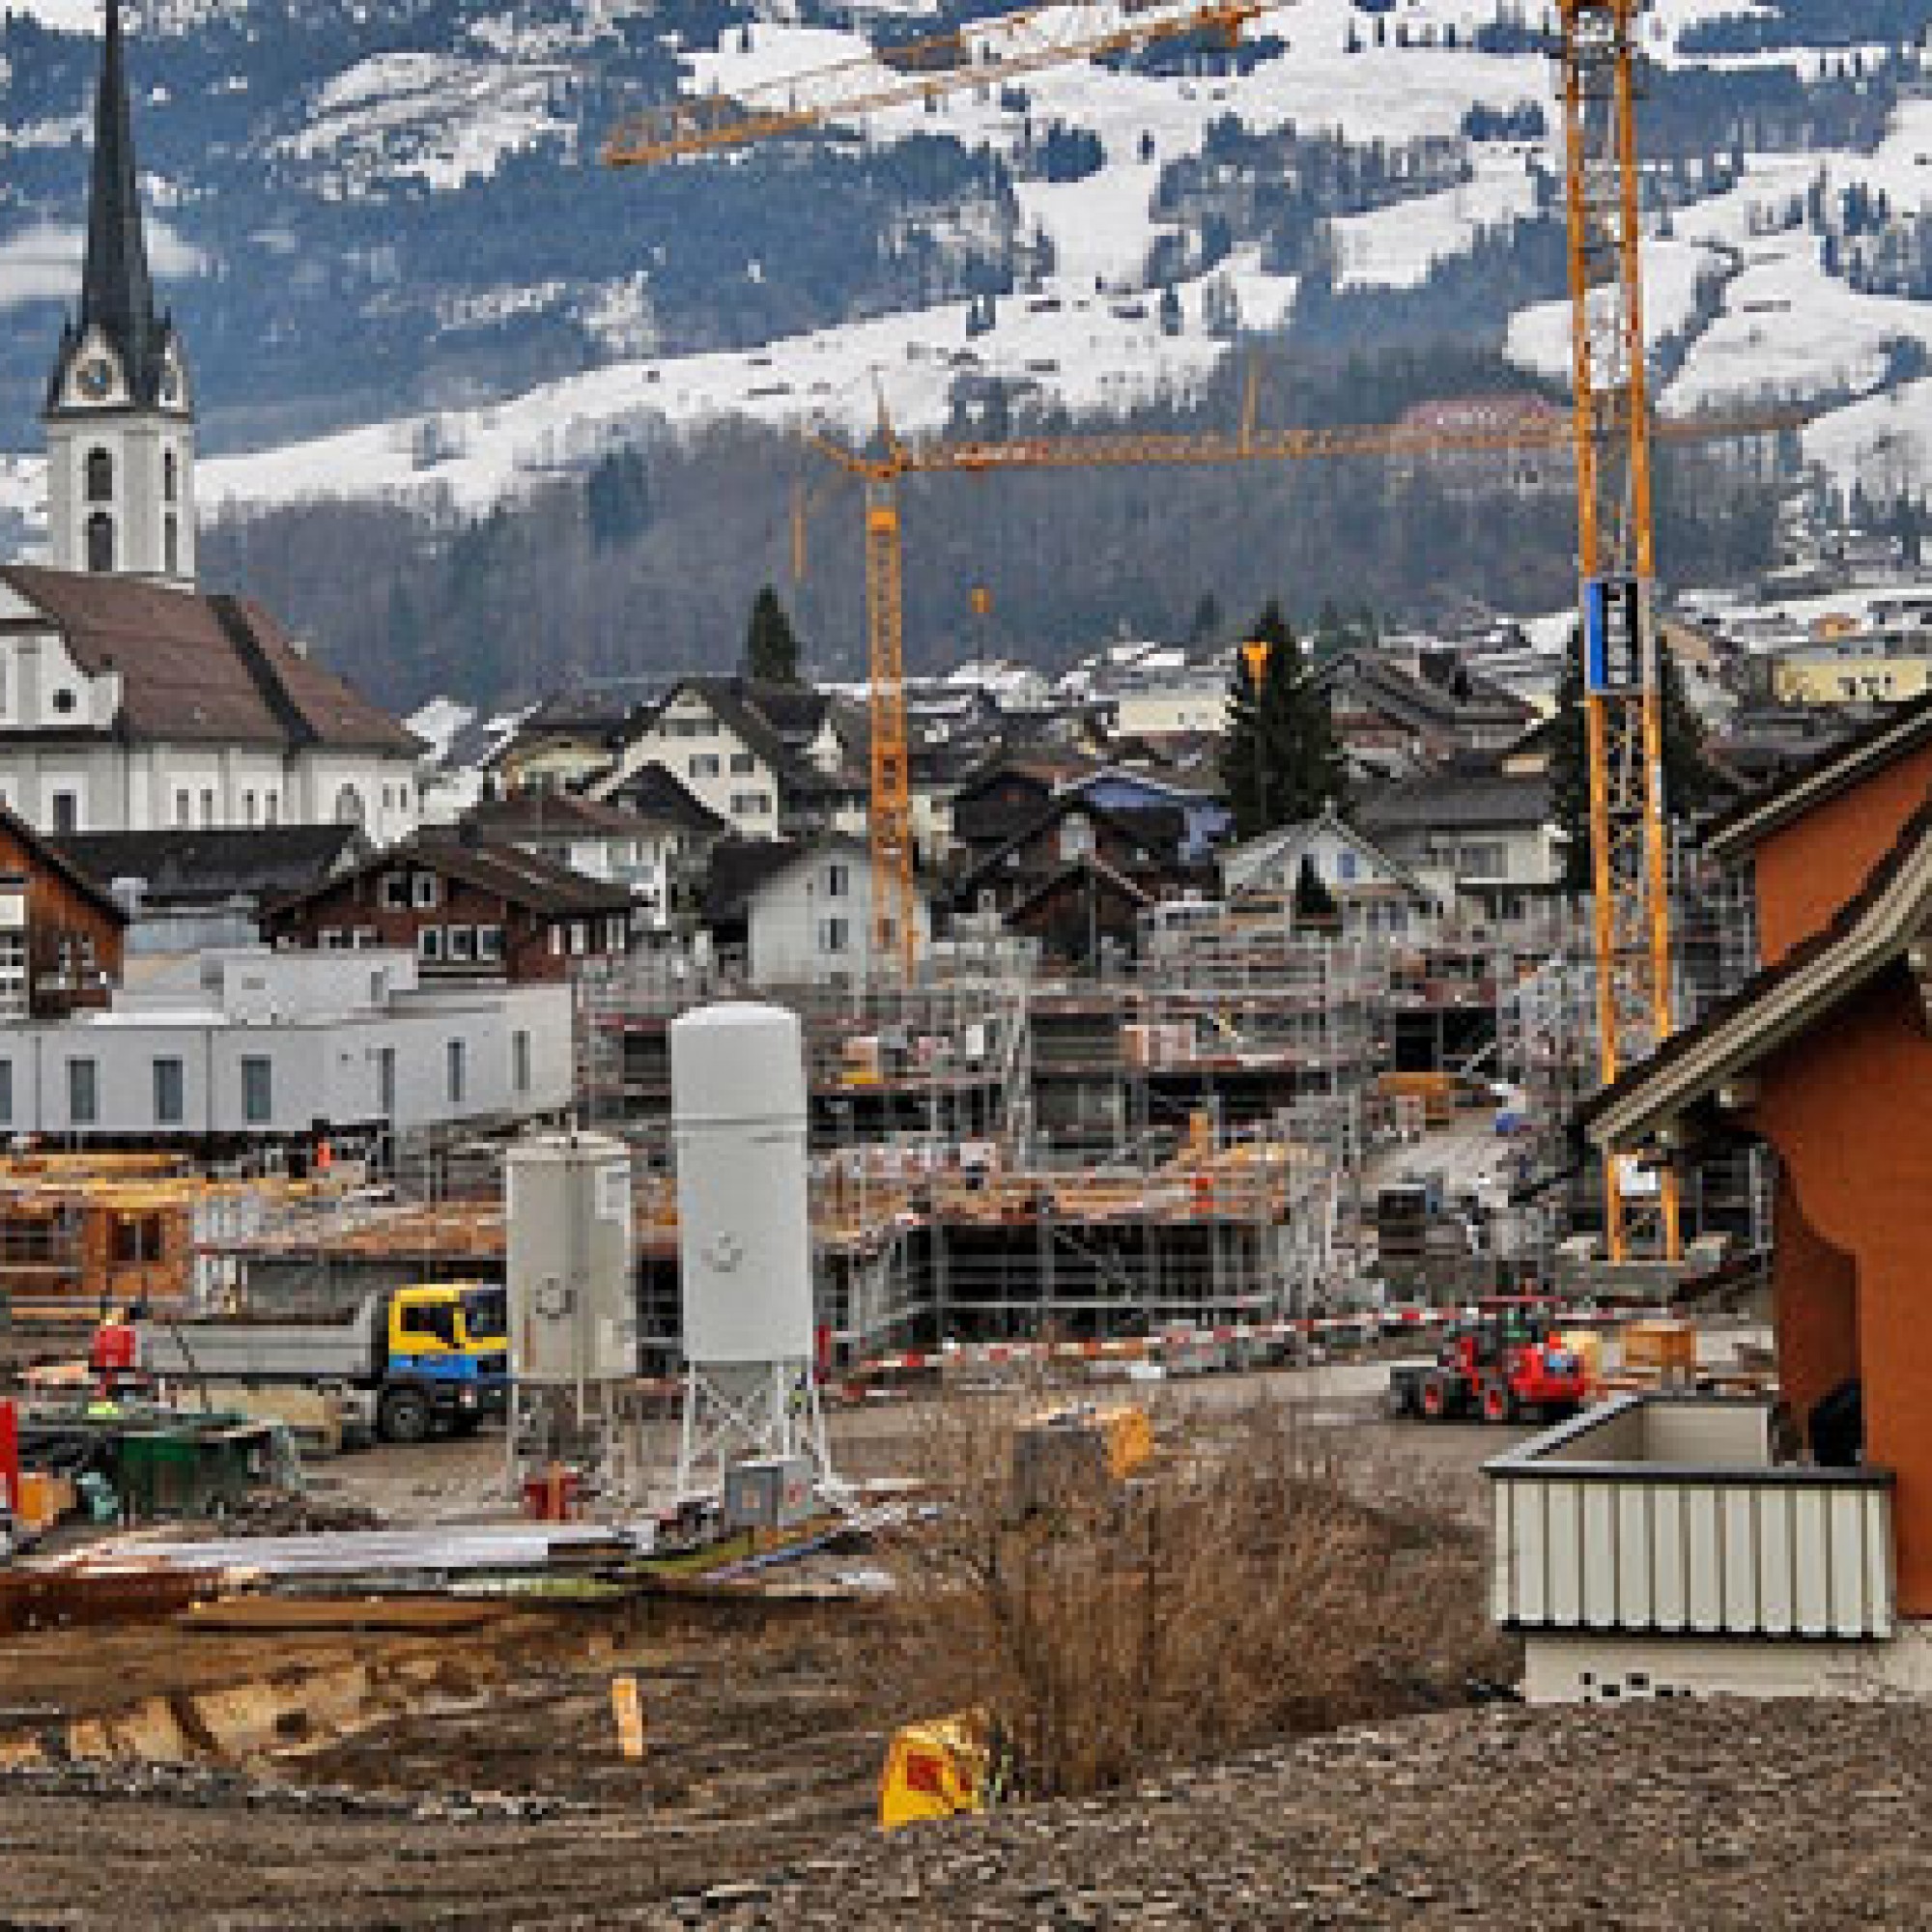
(1615, 636)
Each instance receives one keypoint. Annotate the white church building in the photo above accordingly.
(129, 701)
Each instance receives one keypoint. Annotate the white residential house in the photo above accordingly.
(1486, 837)
(803, 912)
(1376, 896)
(715, 736)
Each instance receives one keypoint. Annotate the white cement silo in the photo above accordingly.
(738, 1130)
(738, 1124)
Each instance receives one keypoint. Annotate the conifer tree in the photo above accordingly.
(1280, 761)
(771, 645)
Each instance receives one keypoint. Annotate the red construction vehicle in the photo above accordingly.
(1502, 1364)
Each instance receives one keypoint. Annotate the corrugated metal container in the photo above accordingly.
(1665, 1515)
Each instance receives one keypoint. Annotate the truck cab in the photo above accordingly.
(450, 1342)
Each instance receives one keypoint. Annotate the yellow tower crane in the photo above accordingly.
(982, 55)
(887, 459)
(1611, 432)
(1623, 690)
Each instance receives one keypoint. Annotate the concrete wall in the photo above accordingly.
(1564, 1667)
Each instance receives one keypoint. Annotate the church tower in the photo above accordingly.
(119, 422)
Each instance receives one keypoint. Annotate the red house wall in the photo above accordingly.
(1807, 869)
(1849, 1108)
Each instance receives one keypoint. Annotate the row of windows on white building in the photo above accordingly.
(256, 1074)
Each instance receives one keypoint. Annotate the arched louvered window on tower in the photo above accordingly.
(100, 477)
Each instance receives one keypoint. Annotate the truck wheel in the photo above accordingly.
(405, 1416)
(1435, 1397)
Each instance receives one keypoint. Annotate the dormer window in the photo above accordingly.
(100, 477)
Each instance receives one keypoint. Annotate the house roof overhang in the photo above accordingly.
(1889, 921)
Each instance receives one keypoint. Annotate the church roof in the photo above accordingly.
(202, 670)
(116, 295)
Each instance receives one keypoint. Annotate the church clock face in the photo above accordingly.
(95, 379)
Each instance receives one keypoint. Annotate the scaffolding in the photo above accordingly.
(1547, 1050)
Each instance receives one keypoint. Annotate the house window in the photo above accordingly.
(207, 806)
(67, 812)
(386, 1079)
(519, 1060)
(456, 1056)
(459, 945)
(743, 764)
(247, 807)
(489, 942)
(395, 891)
(1347, 865)
(6, 1089)
(366, 937)
(184, 809)
(428, 888)
(170, 1100)
(556, 942)
(100, 477)
(580, 938)
(349, 806)
(271, 809)
(334, 939)
(752, 804)
(429, 944)
(835, 935)
(83, 1094)
(258, 1090)
(615, 930)
(100, 542)
(704, 766)
(837, 881)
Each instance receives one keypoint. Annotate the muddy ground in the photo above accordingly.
(468, 1772)
(496, 1795)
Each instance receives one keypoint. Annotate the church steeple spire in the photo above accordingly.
(117, 297)
(119, 418)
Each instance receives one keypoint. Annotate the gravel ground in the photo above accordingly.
(1675, 1815)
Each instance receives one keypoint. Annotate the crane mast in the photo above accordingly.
(1622, 685)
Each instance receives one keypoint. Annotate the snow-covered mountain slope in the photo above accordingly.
(401, 270)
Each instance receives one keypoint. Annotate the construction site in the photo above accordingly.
(1276, 1420)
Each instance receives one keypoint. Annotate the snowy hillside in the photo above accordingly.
(402, 272)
